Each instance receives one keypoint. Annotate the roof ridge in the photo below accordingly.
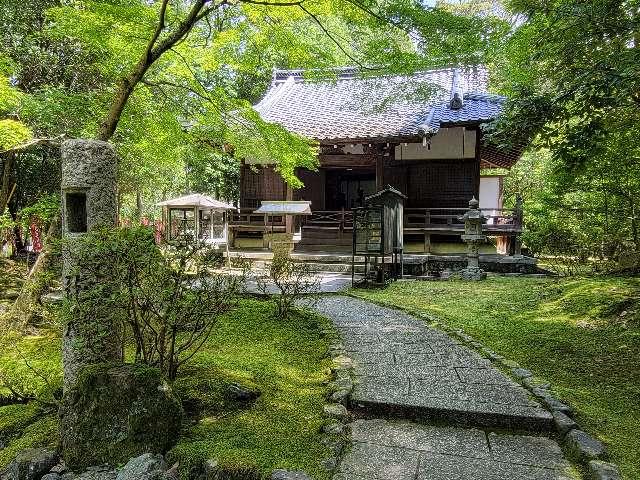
(351, 73)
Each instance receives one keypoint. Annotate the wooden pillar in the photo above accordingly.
(288, 219)
(427, 242)
(379, 172)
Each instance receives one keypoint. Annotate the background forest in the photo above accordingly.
(569, 69)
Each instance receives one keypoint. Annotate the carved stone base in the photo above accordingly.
(474, 274)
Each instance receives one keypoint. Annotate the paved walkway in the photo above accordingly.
(405, 369)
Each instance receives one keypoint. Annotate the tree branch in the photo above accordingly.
(333, 39)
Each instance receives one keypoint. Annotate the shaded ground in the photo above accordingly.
(582, 335)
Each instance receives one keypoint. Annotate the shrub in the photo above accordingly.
(165, 303)
(286, 281)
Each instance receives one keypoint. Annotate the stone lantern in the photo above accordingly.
(89, 174)
(473, 237)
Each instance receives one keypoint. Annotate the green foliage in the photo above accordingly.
(149, 297)
(287, 361)
(582, 335)
(12, 134)
(30, 366)
(571, 69)
(42, 211)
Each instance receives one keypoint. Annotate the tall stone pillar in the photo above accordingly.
(89, 175)
(473, 237)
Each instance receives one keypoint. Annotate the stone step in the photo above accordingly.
(401, 450)
(335, 267)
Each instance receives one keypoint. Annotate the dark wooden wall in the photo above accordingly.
(263, 184)
(427, 184)
(435, 183)
(314, 188)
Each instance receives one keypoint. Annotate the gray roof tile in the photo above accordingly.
(396, 106)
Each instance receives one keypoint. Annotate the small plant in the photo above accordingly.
(286, 281)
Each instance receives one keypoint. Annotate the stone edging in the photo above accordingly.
(581, 446)
(340, 389)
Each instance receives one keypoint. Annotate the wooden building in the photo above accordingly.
(420, 134)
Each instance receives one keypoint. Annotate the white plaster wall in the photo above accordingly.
(490, 192)
(448, 143)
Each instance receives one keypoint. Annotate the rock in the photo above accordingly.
(342, 362)
(52, 298)
(329, 464)
(521, 372)
(214, 471)
(563, 422)
(336, 410)
(52, 476)
(341, 396)
(286, 475)
(240, 393)
(583, 445)
(115, 412)
(599, 470)
(92, 475)
(59, 468)
(342, 384)
(333, 428)
(510, 364)
(534, 382)
(556, 405)
(32, 464)
(336, 445)
(144, 467)
(172, 473)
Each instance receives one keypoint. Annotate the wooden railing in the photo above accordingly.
(449, 219)
(246, 218)
(340, 219)
(499, 220)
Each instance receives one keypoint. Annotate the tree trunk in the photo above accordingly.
(139, 206)
(7, 175)
(25, 307)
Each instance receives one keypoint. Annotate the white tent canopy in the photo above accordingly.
(204, 202)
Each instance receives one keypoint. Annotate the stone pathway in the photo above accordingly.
(404, 369)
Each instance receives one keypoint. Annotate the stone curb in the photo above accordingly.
(340, 389)
(582, 447)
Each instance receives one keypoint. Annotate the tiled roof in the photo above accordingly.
(350, 107)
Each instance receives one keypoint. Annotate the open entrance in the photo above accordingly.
(347, 188)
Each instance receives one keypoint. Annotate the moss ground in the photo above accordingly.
(582, 335)
(286, 360)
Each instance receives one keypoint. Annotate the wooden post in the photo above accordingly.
(288, 219)
(379, 172)
(427, 242)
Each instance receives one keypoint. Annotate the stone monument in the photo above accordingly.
(89, 176)
(473, 237)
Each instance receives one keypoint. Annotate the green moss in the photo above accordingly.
(42, 433)
(287, 360)
(580, 334)
(26, 359)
